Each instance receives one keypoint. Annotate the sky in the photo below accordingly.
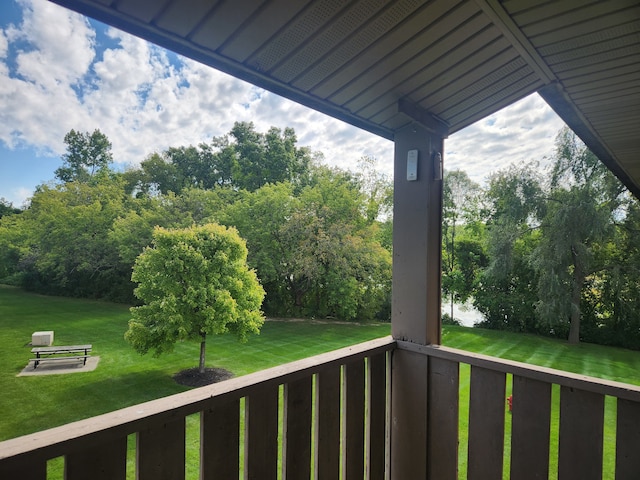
(61, 71)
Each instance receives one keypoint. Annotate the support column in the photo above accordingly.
(417, 238)
(415, 314)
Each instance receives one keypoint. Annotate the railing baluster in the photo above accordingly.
(628, 440)
(25, 468)
(353, 434)
(102, 462)
(220, 441)
(581, 435)
(160, 451)
(376, 433)
(327, 460)
(298, 396)
(408, 415)
(530, 429)
(261, 437)
(486, 423)
(443, 400)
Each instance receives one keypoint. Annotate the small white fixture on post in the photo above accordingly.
(412, 165)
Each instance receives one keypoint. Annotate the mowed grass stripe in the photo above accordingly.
(124, 378)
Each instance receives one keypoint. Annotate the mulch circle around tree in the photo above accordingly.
(193, 378)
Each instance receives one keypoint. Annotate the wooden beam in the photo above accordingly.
(425, 118)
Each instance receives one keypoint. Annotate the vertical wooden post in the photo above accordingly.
(417, 239)
(353, 420)
(160, 451)
(220, 441)
(107, 461)
(327, 428)
(298, 409)
(415, 311)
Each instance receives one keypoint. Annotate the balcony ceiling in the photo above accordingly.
(382, 64)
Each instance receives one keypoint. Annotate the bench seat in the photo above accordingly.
(37, 361)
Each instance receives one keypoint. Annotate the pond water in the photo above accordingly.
(464, 313)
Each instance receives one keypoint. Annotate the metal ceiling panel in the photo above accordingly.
(381, 64)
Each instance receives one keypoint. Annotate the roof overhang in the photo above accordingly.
(381, 64)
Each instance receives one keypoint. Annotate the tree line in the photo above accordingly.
(554, 254)
(319, 238)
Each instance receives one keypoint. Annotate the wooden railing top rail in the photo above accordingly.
(543, 374)
(82, 434)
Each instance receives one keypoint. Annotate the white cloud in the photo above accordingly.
(4, 44)
(521, 133)
(146, 100)
(51, 31)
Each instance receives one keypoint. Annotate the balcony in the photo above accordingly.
(380, 409)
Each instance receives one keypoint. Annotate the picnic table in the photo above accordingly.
(67, 352)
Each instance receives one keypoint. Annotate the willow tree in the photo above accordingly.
(193, 282)
(579, 221)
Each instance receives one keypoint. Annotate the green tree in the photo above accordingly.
(316, 251)
(460, 207)
(88, 154)
(579, 220)
(269, 252)
(266, 158)
(7, 208)
(64, 246)
(506, 292)
(193, 282)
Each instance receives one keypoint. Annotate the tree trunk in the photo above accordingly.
(453, 260)
(576, 294)
(203, 347)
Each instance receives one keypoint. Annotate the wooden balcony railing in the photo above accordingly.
(326, 413)
(544, 400)
(329, 417)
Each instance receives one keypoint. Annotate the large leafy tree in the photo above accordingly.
(242, 159)
(317, 252)
(88, 154)
(506, 292)
(193, 282)
(63, 243)
(579, 220)
(261, 158)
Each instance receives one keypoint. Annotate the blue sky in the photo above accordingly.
(61, 71)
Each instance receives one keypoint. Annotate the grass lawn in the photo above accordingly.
(125, 378)
(602, 362)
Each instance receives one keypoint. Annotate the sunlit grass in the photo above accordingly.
(125, 378)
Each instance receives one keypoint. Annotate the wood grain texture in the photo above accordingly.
(327, 461)
(408, 415)
(160, 451)
(581, 435)
(353, 430)
(220, 441)
(105, 462)
(443, 408)
(298, 399)
(377, 431)
(628, 440)
(530, 429)
(486, 424)
(261, 434)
